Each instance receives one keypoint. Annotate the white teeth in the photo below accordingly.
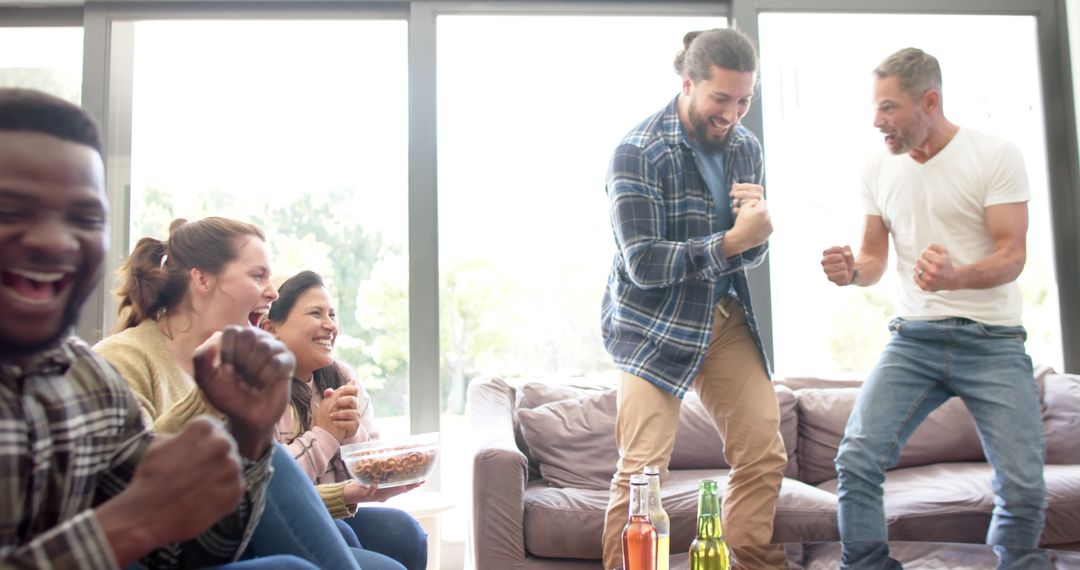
(28, 300)
(38, 276)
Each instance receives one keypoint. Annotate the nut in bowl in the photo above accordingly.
(392, 463)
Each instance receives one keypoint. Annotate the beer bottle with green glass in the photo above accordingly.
(708, 551)
(659, 518)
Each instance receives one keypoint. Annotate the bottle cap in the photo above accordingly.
(638, 479)
(651, 470)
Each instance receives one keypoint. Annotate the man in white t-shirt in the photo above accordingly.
(954, 202)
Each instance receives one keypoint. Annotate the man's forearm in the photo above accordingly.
(868, 270)
(1002, 266)
(735, 243)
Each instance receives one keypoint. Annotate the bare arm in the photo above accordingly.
(874, 252)
(1007, 224)
(843, 268)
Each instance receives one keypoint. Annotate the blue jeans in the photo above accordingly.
(281, 562)
(295, 520)
(392, 533)
(924, 364)
(368, 559)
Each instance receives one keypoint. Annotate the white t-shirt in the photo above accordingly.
(943, 201)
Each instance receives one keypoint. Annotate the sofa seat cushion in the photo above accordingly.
(952, 502)
(950, 556)
(1062, 506)
(569, 523)
(804, 513)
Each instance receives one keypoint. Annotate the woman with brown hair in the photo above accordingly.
(174, 296)
(328, 409)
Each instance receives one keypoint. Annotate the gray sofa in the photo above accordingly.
(544, 456)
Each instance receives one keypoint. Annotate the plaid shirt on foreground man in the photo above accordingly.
(70, 439)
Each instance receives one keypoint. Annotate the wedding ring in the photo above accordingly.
(738, 202)
(921, 272)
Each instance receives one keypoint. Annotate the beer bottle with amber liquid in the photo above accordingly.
(708, 551)
(639, 535)
(659, 518)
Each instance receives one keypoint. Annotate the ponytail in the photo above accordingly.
(155, 276)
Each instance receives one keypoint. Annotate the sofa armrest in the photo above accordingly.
(500, 471)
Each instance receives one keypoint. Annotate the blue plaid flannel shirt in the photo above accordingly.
(661, 297)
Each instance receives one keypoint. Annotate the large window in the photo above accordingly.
(300, 128)
(44, 58)
(816, 95)
(530, 109)
(525, 134)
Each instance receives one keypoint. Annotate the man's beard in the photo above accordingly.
(909, 139)
(15, 347)
(700, 127)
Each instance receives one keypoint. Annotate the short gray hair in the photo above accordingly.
(916, 70)
(723, 47)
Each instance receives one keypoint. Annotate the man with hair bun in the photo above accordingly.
(689, 217)
(83, 483)
(954, 202)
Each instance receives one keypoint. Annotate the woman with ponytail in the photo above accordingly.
(176, 294)
(329, 409)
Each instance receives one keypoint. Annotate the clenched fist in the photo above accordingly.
(245, 373)
(838, 263)
(934, 269)
(183, 485)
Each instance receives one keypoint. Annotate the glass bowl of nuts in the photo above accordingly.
(392, 463)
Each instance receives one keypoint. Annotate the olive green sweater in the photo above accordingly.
(169, 397)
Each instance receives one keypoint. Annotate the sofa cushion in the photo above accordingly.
(534, 394)
(953, 503)
(569, 523)
(1061, 418)
(948, 503)
(573, 440)
(804, 514)
(570, 433)
(948, 434)
(826, 556)
(530, 395)
(1062, 505)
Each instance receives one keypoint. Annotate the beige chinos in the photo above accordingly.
(735, 388)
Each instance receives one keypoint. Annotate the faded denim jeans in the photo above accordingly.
(924, 364)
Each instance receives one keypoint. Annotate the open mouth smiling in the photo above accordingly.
(255, 317)
(35, 287)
